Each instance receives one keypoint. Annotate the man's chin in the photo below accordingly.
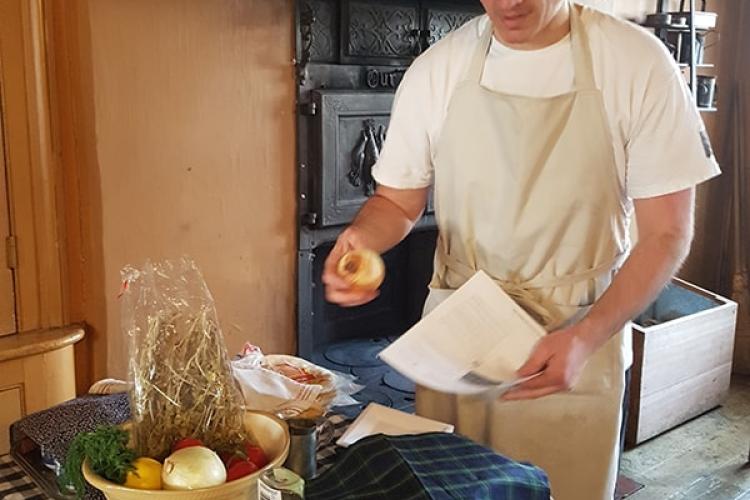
(514, 37)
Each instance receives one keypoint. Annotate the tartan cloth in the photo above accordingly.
(432, 466)
(15, 484)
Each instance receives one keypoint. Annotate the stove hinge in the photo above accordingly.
(310, 218)
(308, 108)
(307, 217)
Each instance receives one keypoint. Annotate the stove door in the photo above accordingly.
(348, 135)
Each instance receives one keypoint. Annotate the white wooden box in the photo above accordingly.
(682, 360)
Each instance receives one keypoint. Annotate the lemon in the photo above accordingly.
(146, 476)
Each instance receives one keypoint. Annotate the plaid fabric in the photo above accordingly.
(15, 484)
(433, 466)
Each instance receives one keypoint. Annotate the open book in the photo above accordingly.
(471, 343)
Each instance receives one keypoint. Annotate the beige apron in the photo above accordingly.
(527, 190)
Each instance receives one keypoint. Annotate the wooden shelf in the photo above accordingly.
(691, 25)
(697, 66)
(21, 345)
(678, 29)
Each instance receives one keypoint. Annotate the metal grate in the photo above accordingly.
(356, 353)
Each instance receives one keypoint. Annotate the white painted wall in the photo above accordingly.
(605, 5)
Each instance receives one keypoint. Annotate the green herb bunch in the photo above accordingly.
(107, 451)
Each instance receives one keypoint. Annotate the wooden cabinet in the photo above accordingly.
(36, 353)
(37, 372)
(11, 409)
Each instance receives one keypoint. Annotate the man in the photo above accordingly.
(544, 127)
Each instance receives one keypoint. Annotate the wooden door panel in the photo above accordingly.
(14, 126)
(7, 292)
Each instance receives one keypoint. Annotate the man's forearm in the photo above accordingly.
(381, 224)
(649, 267)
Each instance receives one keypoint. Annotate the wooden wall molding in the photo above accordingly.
(32, 182)
(79, 185)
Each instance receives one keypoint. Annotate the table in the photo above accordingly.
(15, 484)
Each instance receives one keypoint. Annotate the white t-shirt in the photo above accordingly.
(659, 138)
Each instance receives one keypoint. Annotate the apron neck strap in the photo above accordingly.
(584, 71)
(579, 41)
(476, 67)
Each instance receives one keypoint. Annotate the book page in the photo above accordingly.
(472, 342)
(378, 419)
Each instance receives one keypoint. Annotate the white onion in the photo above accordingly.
(193, 468)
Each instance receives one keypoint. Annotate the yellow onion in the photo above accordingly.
(192, 468)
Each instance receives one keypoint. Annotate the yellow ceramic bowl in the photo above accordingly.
(272, 435)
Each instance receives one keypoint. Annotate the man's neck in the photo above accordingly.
(557, 28)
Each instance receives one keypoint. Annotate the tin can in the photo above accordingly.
(280, 484)
(302, 447)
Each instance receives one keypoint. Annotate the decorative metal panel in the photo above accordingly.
(442, 21)
(384, 32)
(323, 30)
(349, 133)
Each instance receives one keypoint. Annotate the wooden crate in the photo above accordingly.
(682, 365)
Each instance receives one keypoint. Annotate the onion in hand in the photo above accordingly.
(363, 269)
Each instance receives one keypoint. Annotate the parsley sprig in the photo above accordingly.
(107, 451)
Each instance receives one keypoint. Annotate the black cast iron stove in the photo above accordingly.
(351, 56)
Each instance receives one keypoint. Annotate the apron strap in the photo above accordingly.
(523, 292)
(476, 66)
(579, 39)
(583, 66)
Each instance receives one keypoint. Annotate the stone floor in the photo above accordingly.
(704, 459)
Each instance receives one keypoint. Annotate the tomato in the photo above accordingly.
(236, 458)
(240, 469)
(225, 456)
(256, 455)
(186, 443)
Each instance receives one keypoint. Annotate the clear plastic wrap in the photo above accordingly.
(179, 368)
(346, 385)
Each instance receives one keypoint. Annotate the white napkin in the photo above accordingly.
(266, 390)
